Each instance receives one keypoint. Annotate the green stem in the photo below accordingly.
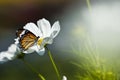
(31, 67)
(41, 76)
(53, 63)
(89, 5)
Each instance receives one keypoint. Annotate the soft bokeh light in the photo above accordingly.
(104, 27)
(101, 26)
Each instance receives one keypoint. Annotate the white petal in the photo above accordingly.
(29, 50)
(12, 48)
(47, 40)
(55, 29)
(64, 78)
(17, 40)
(41, 52)
(10, 54)
(39, 49)
(35, 48)
(5, 56)
(23, 32)
(33, 28)
(45, 27)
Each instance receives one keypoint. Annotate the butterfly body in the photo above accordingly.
(26, 39)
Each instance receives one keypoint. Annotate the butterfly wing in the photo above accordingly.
(18, 32)
(27, 39)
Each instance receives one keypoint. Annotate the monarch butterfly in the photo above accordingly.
(26, 38)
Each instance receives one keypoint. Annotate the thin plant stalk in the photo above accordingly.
(53, 63)
(96, 54)
(31, 67)
(89, 5)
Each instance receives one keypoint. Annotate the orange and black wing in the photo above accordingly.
(27, 40)
(18, 32)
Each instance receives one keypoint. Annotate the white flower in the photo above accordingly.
(44, 31)
(9, 54)
(64, 78)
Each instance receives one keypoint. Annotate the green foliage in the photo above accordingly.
(91, 66)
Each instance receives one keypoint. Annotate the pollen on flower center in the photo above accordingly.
(39, 42)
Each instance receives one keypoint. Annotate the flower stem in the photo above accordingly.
(89, 5)
(53, 63)
(41, 76)
(31, 67)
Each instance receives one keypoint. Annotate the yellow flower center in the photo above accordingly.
(40, 41)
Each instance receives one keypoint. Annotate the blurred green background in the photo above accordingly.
(89, 31)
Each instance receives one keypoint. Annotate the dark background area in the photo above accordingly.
(14, 14)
